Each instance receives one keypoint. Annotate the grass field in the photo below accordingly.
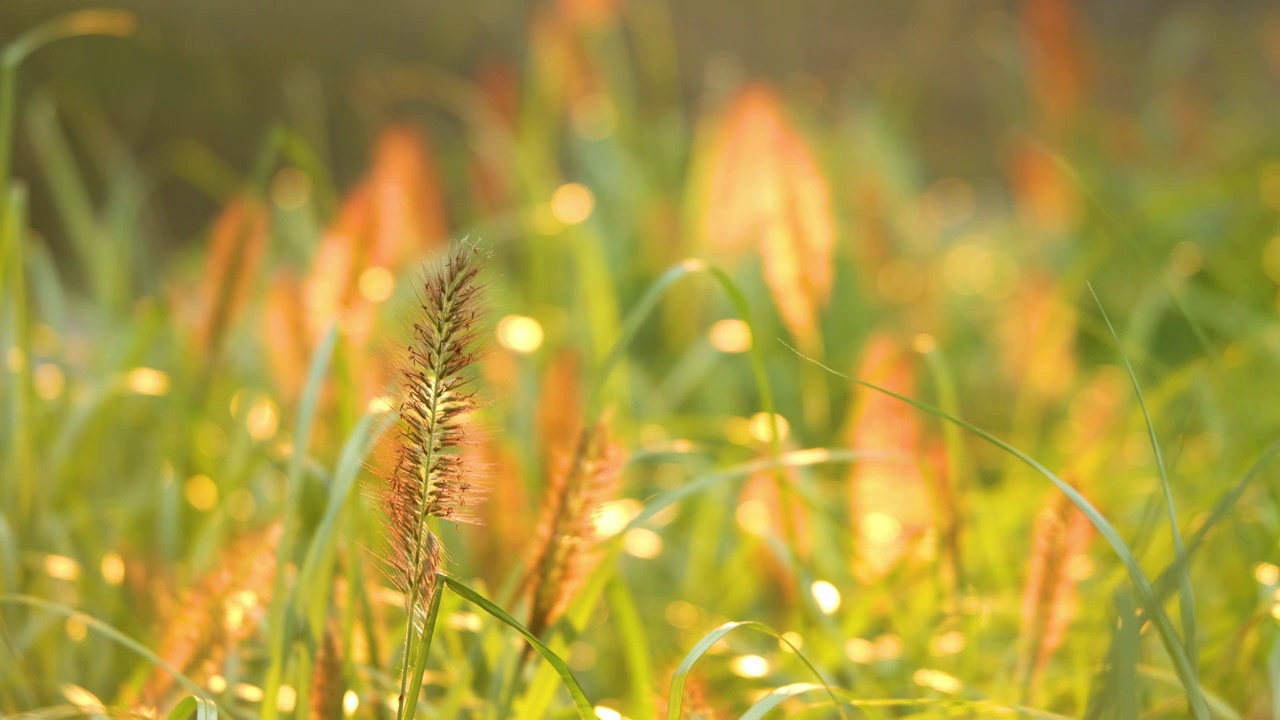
(768, 418)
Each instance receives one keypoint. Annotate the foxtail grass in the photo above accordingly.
(429, 479)
(566, 552)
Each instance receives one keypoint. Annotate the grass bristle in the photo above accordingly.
(1061, 536)
(566, 538)
(429, 478)
(219, 610)
(327, 686)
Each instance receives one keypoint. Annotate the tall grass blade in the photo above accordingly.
(278, 639)
(1142, 584)
(106, 630)
(571, 684)
(313, 600)
(1186, 597)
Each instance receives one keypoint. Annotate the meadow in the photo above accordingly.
(585, 398)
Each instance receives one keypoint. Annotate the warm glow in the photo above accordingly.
(286, 698)
(518, 333)
(112, 568)
(381, 404)
(642, 543)
(860, 650)
(607, 713)
(83, 699)
(612, 517)
(263, 420)
(467, 621)
(350, 703)
(201, 492)
(948, 643)
(880, 528)
(376, 284)
(572, 203)
(938, 680)
(217, 684)
(749, 666)
(49, 381)
(731, 336)
(753, 517)
(682, 615)
(249, 693)
(924, 343)
(147, 381)
(889, 647)
(61, 567)
(826, 595)
(1266, 574)
(969, 269)
(762, 430)
(76, 629)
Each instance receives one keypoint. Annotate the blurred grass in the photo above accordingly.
(654, 261)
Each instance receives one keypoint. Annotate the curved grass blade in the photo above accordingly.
(1221, 708)
(194, 708)
(1168, 577)
(107, 630)
(641, 312)
(676, 695)
(1186, 597)
(580, 701)
(1142, 584)
(118, 23)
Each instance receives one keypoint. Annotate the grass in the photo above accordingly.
(718, 298)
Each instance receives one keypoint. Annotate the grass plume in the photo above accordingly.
(1061, 537)
(565, 539)
(429, 478)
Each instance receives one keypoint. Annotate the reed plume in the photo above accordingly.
(566, 548)
(429, 478)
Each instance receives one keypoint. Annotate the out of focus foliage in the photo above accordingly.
(1056, 221)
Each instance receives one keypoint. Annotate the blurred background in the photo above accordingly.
(928, 196)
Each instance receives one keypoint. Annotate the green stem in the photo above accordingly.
(409, 703)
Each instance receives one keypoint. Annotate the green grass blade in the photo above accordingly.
(646, 306)
(1186, 595)
(1142, 584)
(778, 696)
(278, 644)
(118, 23)
(1169, 577)
(194, 708)
(562, 669)
(313, 602)
(635, 645)
(417, 667)
(106, 630)
(676, 694)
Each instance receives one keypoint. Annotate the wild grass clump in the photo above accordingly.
(689, 509)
